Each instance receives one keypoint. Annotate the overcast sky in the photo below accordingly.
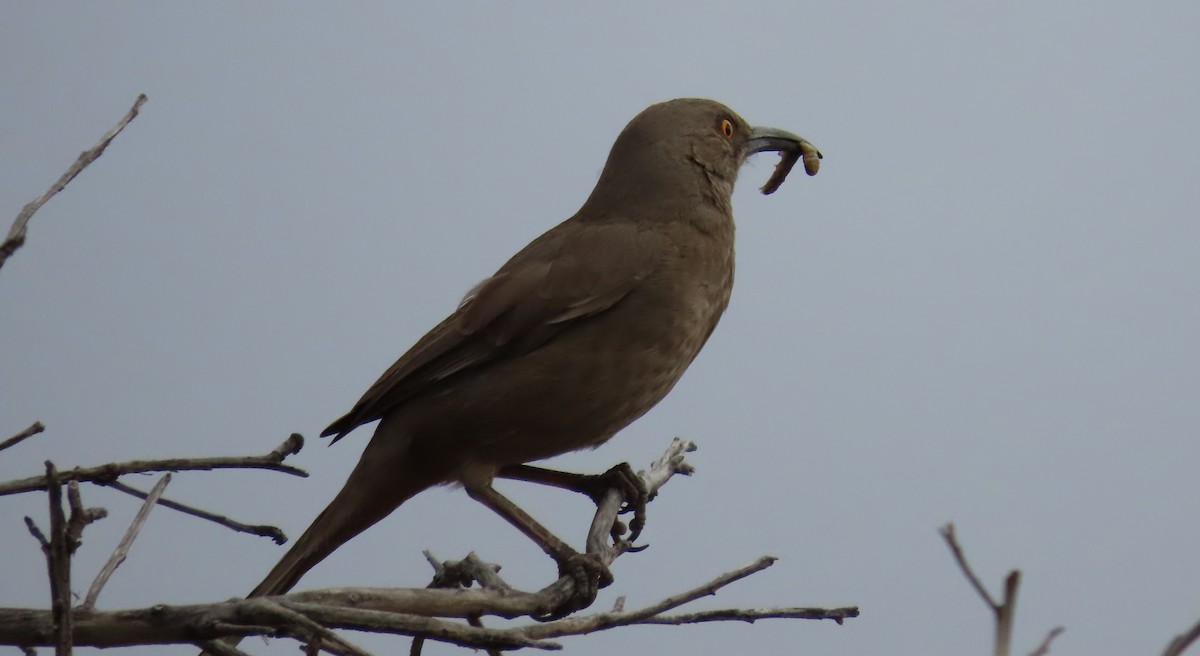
(983, 309)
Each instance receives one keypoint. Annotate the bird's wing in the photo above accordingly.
(572, 272)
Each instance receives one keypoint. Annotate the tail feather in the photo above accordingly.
(345, 517)
(379, 484)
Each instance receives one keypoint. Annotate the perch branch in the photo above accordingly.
(103, 474)
(200, 623)
(653, 614)
(16, 234)
(427, 613)
(34, 429)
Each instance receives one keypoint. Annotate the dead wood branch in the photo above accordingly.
(122, 550)
(201, 623)
(105, 474)
(1044, 648)
(16, 234)
(34, 429)
(262, 530)
(1005, 611)
(1183, 641)
(433, 613)
(65, 536)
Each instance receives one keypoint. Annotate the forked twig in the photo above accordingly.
(1004, 611)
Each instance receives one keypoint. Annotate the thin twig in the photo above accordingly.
(37, 534)
(122, 550)
(80, 516)
(599, 621)
(1183, 641)
(34, 429)
(1044, 648)
(272, 461)
(16, 234)
(947, 532)
(263, 530)
(752, 615)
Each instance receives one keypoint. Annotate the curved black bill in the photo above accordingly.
(792, 148)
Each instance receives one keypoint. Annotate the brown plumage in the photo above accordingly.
(576, 336)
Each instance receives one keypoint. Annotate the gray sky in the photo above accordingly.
(982, 310)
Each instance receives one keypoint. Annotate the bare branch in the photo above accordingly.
(190, 624)
(947, 532)
(58, 562)
(16, 234)
(122, 550)
(461, 574)
(37, 533)
(263, 530)
(34, 429)
(670, 463)
(752, 615)
(318, 635)
(471, 569)
(103, 474)
(1006, 614)
(1183, 641)
(600, 621)
(1005, 611)
(80, 516)
(1044, 648)
(425, 614)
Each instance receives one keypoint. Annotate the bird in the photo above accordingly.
(577, 335)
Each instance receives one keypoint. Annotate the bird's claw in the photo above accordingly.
(589, 574)
(622, 478)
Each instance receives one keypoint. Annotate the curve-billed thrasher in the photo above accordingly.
(576, 336)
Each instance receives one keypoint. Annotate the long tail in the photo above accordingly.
(383, 479)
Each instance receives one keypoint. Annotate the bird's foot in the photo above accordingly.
(588, 573)
(623, 479)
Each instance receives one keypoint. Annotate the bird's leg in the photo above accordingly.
(595, 486)
(587, 570)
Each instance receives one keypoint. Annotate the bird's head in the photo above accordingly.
(685, 149)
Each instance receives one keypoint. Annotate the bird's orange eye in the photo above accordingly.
(727, 128)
